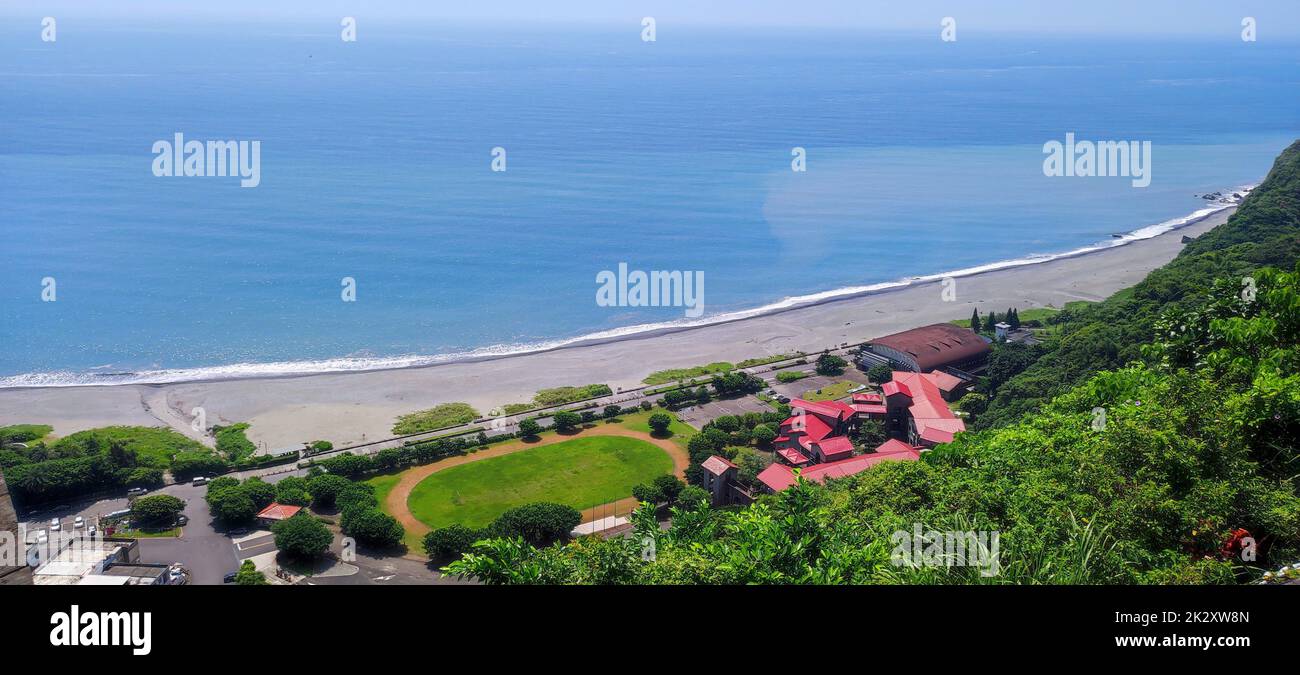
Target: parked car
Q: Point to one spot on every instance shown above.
(228, 579)
(92, 531)
(182, 519)
(784, 399)
(78, 523)
(135, 492)
(200, 480)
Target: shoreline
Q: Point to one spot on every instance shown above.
(637, 331)
(347, 407)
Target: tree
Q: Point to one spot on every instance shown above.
(612, 411)
(529, 428)
(144, 476)
(764, 435)
(692, 494)
(261, 492)
(990, 322)
(156, 510)
(302, 536)
(292, 490)
(248, 575)
(356, 495)
(702, 395)
(648, 493)
(325, 487)
(669, 486)
(449, 542)
(660, 422)
(539, 523)
(1013, 318)
(880, 373)
(565, 420)
(231, 506)
(829, 364)
(870, 434)
(373, 527)
(975, 320)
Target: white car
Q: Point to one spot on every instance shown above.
(78, 523)
(200, 480)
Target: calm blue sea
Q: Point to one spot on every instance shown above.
(923, 157)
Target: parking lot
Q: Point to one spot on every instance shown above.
(699, 415)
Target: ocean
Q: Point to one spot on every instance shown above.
(376, 156)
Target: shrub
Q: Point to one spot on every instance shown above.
(372, 527)
(449, 542)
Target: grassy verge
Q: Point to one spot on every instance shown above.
(830, 392)
(679, 374)
(437, 417)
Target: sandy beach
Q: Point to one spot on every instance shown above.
(351, 407)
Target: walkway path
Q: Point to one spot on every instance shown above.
(397, 497)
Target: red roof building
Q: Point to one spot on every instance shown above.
(778, 477)
(276, 512)
(930, 421)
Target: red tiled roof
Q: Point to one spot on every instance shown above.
(717, 465)
(814, 427)
(936, 345)
(836, 448)
(934, 421)
(866, 397)
(870, 408)
(892, 387)
(832, 409)
(944, 381)
(779, 476)
(793, 456)
(274, 511)
(894, 445)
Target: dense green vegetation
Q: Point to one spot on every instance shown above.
(97, 459)
(679, 374)
(1087, 339)
(232, 443)
(437, 417)
(1148, 472)
(547, 398)
(581, 472)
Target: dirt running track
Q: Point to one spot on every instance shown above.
(396, 502)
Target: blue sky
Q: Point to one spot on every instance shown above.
(1275, 18)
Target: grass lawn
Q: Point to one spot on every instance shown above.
(831, 391)
(581, 472)
(384, 484)
(681, 431)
